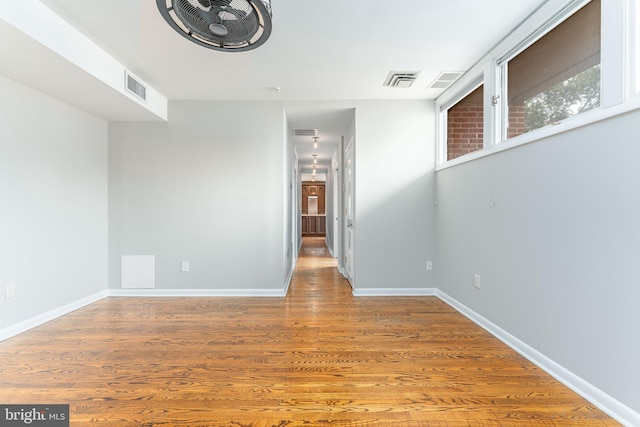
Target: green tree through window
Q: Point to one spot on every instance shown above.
(573, 96)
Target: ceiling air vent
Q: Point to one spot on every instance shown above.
(135, 87)
(401, 78)
(305, 132)
(445, 79)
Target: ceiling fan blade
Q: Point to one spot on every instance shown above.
(208, 16)
(225, 6)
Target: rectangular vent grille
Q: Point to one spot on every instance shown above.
(445, 79)
(135, 87)
(305, 132)
(401, 78)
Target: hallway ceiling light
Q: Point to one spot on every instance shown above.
(225, 25)
(315, 141)
(315, 158)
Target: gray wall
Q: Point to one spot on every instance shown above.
(207, 187)
(394, 178)
(53, 203)
(211, 186)
(558, 252)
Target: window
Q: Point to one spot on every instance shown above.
(465, 125)
(556, 77)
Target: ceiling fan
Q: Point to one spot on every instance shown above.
(225, 25)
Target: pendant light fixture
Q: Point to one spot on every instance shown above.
(315, 141)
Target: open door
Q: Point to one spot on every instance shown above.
(335, 211)
(348, 204)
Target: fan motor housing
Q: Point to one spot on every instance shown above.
(225, 25)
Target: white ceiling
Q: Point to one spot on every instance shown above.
(318, 50)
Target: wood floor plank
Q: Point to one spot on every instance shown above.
(318, 357)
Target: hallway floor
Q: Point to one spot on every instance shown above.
(319, 357)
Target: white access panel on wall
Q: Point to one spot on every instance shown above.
(138, 271)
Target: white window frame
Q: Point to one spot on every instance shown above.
(632, 34)
(443, 109)
(615, 60)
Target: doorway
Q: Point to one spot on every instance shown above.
(313, 216)
(317, 135)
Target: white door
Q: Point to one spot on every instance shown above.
(336, 211)
(348, 211)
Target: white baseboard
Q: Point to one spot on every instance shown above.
(287, 282)
(394, 292)
(197, 293)
(602, 400)
(40, 319)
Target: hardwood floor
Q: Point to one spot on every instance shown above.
(318, 357)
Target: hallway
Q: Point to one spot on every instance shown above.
(316, 276)
(318, 357)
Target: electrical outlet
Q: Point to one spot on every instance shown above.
(476, 281)
(185, 265)
(429, 265)
(10, 291)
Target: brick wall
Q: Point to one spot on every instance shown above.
(465, 125)
(516, 120)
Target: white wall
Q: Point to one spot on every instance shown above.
(53, 203)
(394, 178)
(207, 187)
(558, 252)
